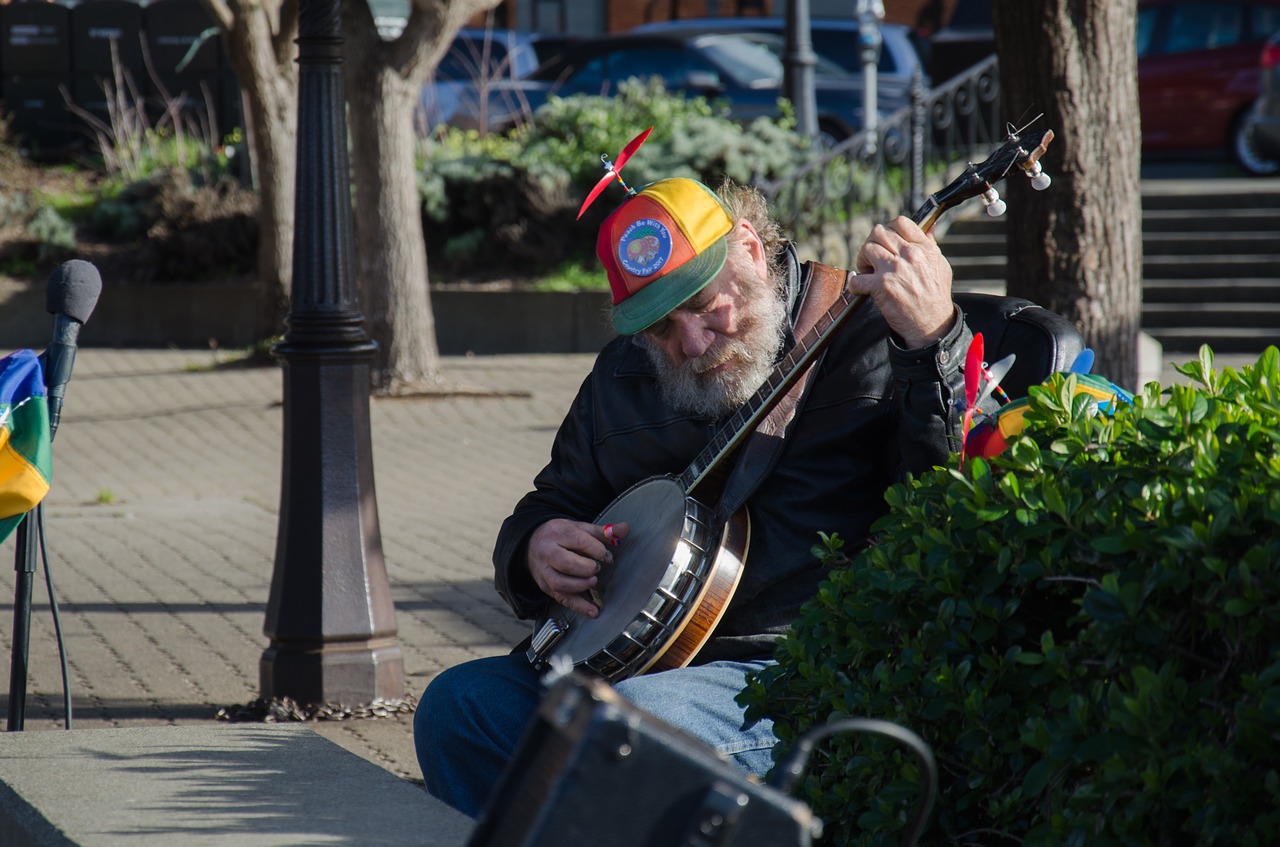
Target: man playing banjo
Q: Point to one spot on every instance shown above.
(706, 297)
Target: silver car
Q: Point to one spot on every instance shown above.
(476, 60)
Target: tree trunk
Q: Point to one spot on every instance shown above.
(259, 40)
(275, 150)
(391, 252)
(1077, 248)
(383, 84)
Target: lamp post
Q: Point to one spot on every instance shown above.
(330, 619)
(870, 13)
(798, 61)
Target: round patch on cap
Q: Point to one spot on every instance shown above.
(645, 247)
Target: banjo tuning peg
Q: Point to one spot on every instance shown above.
(995, 206)
(1039, 179)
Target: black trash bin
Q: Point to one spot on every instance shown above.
(107, 53)
(173, 28)
(35, 59)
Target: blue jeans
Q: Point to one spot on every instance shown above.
(471, 718)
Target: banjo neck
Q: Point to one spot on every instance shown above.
(731, 434)
(1020, 151)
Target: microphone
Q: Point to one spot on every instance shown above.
(70, 296)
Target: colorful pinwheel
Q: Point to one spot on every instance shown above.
(611, 169)
(972, 379)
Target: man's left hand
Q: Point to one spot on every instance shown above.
(901, 268)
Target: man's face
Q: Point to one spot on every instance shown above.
(716, 350)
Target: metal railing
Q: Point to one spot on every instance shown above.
(830, 204)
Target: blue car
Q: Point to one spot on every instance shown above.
(835, 40)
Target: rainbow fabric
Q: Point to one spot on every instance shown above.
(26, 465)
(993, 434)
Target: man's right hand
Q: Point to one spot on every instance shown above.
(565, 558)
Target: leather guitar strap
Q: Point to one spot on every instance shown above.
(760, 451)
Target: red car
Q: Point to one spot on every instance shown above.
(1197, 70)
(1198, 75)
(1266, 120)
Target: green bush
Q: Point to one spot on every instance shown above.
(14, 206)
(502, 201)
(1086, 629)
(195, 231)
(54, 235)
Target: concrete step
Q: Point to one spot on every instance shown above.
(1211, 262)
(1167, 267)
(1168, 234)
(1158, 220)
(977, 267)
(1207, 302)
(1199, 220)
(974, 226)
(1228, 266)
(1234, 315)
(248, 785)
(1196, 292)
(1220, 339)
(1209, 243)
(963, 244)
(1215, 194)
(986, 286)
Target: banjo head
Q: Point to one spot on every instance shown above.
(655, 572)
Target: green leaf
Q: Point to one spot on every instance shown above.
(1104, 607)
(1239, 607)
(1033, 784)
(1111, 544)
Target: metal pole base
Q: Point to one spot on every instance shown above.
(350, 673)
(330, 616)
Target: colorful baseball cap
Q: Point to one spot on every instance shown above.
(661, 247)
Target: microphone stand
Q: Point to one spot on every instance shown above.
(27, 541)
(70, 295)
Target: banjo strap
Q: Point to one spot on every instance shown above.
(760, 452)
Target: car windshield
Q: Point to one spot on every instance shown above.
(747, 61)
(468, 60)
(777, 45)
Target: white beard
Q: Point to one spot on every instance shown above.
(752, 356)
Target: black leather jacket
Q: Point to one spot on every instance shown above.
(874, 413)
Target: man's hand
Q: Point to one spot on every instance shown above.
(901, 268)
(565, 557)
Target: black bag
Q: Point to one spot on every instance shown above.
(593, 769)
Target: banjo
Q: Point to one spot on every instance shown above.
(672, 580)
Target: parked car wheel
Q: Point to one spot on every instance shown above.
(830, 134)
(1245, 147)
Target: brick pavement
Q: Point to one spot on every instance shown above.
(162, 522)
(161, 532)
